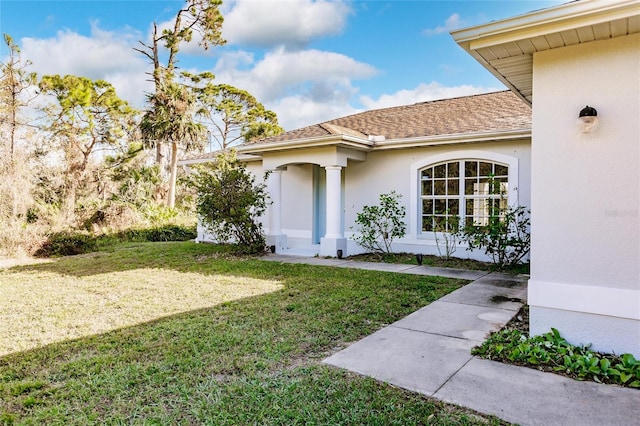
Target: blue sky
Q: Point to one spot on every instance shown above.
(308, 60)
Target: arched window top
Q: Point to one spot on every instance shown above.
(460, 188)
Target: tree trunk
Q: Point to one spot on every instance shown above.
(171, 198)
(69, 200)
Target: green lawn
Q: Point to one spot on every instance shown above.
(180, 333)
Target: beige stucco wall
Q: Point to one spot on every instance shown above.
(297, 202)
(585, 270)
(385, 171)
(382, 172)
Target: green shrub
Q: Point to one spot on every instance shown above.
(66, 243)
(170, 233)
(230, 202)
(551, 352)
(506, 236)
(71, 243)
(379, 225)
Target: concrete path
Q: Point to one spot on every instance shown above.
(375, 266)
(429, 352)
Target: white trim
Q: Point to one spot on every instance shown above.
(614, 302)
(254, 152)
(564, 17)
(460, 138)
(319, 141)
(511, 162)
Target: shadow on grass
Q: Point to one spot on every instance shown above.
(326, 295)
(257, 352)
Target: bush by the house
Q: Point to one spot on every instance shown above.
(230, 203)
(506, 236)
(378, 226)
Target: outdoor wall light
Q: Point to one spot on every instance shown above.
(588, 118)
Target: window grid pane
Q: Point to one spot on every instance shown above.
(447, 194)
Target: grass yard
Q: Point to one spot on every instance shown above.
(180, 333)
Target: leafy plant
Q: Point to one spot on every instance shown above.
(551, 352)
(159, 214)
(447, 234)
(230, 202)
(506, 236)
(379, 225)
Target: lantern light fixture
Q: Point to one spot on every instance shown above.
(588, 119)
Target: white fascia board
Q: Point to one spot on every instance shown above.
(245, 152)
(454, 139)
(331, 140)
(546, 21)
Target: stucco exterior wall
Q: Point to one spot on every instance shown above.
(297, 203)
(380, 172)
(397, 170)
(586, 194)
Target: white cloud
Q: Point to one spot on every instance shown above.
(453, 22)
(295, 111)
(422, 93)
(302, 87)
(290, 23)
(104, 55)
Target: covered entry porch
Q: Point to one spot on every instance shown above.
(306, 190)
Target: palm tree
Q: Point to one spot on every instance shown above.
(171, 120)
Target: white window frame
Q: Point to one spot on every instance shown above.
(415, 203)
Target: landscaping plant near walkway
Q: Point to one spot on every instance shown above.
(506, 236)
(379, 225)
(241, 357)
(551, 352)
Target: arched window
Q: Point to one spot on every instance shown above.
(461, 193)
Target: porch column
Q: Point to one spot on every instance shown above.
(334, 239)
(274, 235)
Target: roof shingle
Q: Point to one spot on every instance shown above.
(489, 112)
(498, 111)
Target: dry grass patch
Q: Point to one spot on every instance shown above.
(46, 307)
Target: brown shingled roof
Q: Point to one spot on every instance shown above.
(499, 111)
(489, 112)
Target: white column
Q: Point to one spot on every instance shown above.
(334, 204)
(334, 244)
(275, 238)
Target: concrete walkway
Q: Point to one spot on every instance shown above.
(429, 352)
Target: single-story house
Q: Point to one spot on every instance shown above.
(438, 155)
(565, 141)
(580, 58)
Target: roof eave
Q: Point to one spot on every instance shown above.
(460, 138)
(539, 23)
(546, 21)
(359, 144)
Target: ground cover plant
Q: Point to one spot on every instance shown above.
(248, 360)
(551, 352)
